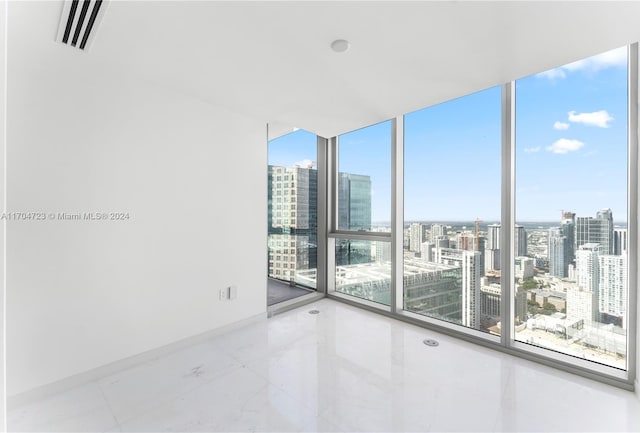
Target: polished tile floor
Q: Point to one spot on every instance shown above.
(341, 370)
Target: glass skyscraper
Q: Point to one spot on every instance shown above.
(354, 214)
(598, 230)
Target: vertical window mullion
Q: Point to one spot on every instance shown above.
(397, 214)
(507, 213)
(331, 212)
(332, 176)
(323, 207)
(632, 218)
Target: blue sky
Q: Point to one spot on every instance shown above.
(579, 163)
(570, 149)
(297, 147)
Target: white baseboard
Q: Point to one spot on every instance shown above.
(98, 373)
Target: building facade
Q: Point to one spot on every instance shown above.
(613, 283)
(596, 230)
(557, 252)
(588, 276)
(292, 218)
(469, 264)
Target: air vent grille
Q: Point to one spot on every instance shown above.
(79, 21)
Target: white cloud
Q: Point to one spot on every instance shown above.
(552, 74)
(560, 126)
(531, 149)
(609, 59)
(600, 118)
(565, 145)
(305, 163)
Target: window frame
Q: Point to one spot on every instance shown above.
(333, 234)
(328, 173)
(333, 173)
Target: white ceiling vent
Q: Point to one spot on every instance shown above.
(79, 21)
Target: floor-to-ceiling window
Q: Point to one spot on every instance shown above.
(570, 241)
(362, 181)
(292, 213)
(506, 215)
(452, 211)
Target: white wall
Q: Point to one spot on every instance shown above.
(191, 176)
(3, 6)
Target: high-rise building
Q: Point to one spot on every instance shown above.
(381, 251)
(523, 267)
(433, 289)
(406, 237)
(596, 230)
(581, 303)
(438, 231)
(467, 241)
(619, 241)
(568, 228)
(490, 297)
(587, 273)
(613, 283)
(493, 236)
(292, 217)
(417, 237)
(469, 284)
(587, 265)
(473, 242)
(427, 252)
(354, 213)
(520, 241)
(492, 248)
(556, 250)
(491, 260)
(492, 245)
(520, 305)
(354, 202)
(440, 243)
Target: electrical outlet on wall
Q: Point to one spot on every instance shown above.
(223, 294)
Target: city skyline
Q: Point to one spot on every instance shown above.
(570, 254)
(570, 278)
(571, 116)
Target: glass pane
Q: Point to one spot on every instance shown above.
(364, 178)
(363, 269)
(452, 208)
(571, 209)
(293, 208)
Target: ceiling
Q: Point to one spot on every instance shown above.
(271, 60)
